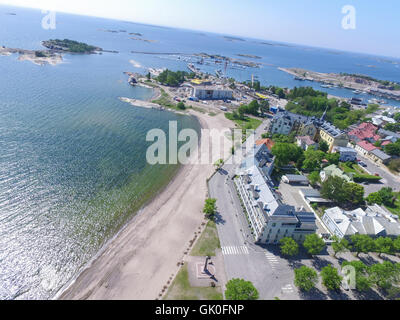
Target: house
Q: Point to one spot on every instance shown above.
(333, 136)
(295, 179)
(334, 170)
(271, 219)
(365, 131)
(365, 147)
(379, 156)
(386, 133)
(375, 221)
(268, 142)
(346, 154)
(305, 142)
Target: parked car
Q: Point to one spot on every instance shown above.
(362, 164)
(376, 175)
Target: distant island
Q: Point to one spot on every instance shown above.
(248, 56)
(53, 54)
(66, 45)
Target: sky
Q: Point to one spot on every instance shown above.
(308, 22)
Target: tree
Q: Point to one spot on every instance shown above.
(363, 283)
(374, 197)
(396, 243)
(264, 106)
(340, 245)
(362, 243)
(305, 278)
(384, 245)
(239, 289)
(210, 208)
(387, 196)
(331, 278)
(218, 164)
(148, 76)
(286, 152)
(323, 146)
(289, 247)
(385, 274)
(181, 106)
(314, 178)
(334, 188)
(314, 244)
(393, 149)
(354, 193)
(312, 159)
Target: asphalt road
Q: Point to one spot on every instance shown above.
(388, 179)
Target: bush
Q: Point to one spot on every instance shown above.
(181, 106)
(239, 289)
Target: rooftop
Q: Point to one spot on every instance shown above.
(366, 145)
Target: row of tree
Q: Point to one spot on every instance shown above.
(382, 275)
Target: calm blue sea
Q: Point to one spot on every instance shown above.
(72, 156)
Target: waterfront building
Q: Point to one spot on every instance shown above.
(375, 221)
(212, 93)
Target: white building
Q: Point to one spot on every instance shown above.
(212, 93)
(375, 221)
(270, 219)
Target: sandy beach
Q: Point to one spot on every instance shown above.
(140, 260)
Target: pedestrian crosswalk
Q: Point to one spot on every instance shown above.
(287, 289)
(234, 250)
(272, 259)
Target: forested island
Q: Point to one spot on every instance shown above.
(72, 46)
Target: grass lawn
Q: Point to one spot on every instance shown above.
(246, 123)
(165, 100)
(359, 174)
(208, 242)
(181, 290)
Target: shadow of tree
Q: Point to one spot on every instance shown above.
(338, 295)
(319, 263)
(313, 294)
(218, 219)
(368, 295)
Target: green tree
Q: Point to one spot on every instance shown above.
(331, 278)
(363, 283)
(323, 146)
(239, 289)
(384, 245)
(374, 197)
(148, 76)
(340, 245)
(314, 244)
(396, 242)
(305, 278)
(354, 193)
(385, 274)
(334, 188)
(362, 243)
(181, 106)
(285, 153)
(314, 178)
(210, 208)
(289, 247)
(312, 159)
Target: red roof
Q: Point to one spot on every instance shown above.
(268, 142)
(385, 143)
(366, 145)
(365, 130)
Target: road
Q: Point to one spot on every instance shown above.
(388, 179)
(270, 274)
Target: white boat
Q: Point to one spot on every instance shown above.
(357, 92)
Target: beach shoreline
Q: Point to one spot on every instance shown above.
(140, 259)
